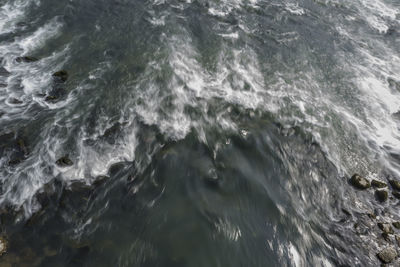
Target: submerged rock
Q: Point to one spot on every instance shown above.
(395, 184)
(14, 101)
(26, 59)
(56, 94)
(359, 182)
(387, 255)
(20, 151)
(61, 75)
(3, 245)
(396, 195)
(386, 228)
(381, 195)
(4, 72)
(64, 162)
(378, 184)
(50, 98)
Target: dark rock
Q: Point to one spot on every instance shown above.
(100, 180)
(396, 195)
(346, 212)
(15, 161)
(386, 228)
(393, 83)
(391, 31)
(79, 258)
(397, 240)
(387, 255)
(14, 101)
(3, 85)
(396, 225)
(60, 76)
(386, 237)
(3, 245)
(55, 94)
(381, 195)
(22, 146)
(378, 184)
(19, 151)
(51, 98)
(22, 24)
(371, 216)
(26, 59)
(359, 182)
(395, 184)
(76, 197)
(4, 72)
(64, 162)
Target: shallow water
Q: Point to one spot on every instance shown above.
(202, 133)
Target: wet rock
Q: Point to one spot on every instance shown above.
(346, 212)
(64, 161)
(76, 197)
(359, 182)
(20, 151)
(378, 184)
(48, 252)
(387, 255)
(397, 240)
(80, 255)
(381, 195)
(112, 133)
(60, 76)
(3, 245)
(396, 195)
(3, 85)
(371, 216)
(100, 180)
(396, 225)
(394, 84)
(395, 184)
(22, 146)
(26, 59)
(55, 94)
(22, 24)
(50, 98)
(386, 237)
(386, 228)
(391, 31)
(15, 101)
(115, 129)
(4, 72)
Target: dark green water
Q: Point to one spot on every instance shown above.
(200, 133)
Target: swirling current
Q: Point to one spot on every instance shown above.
(198, 132)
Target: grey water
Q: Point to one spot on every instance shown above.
(196, 132)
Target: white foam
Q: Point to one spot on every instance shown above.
(12, 12)
(294, 9)
(40, 36)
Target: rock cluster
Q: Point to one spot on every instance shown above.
(387, 254)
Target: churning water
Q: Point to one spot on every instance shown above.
(197, 132)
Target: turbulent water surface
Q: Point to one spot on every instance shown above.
(200, 132)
